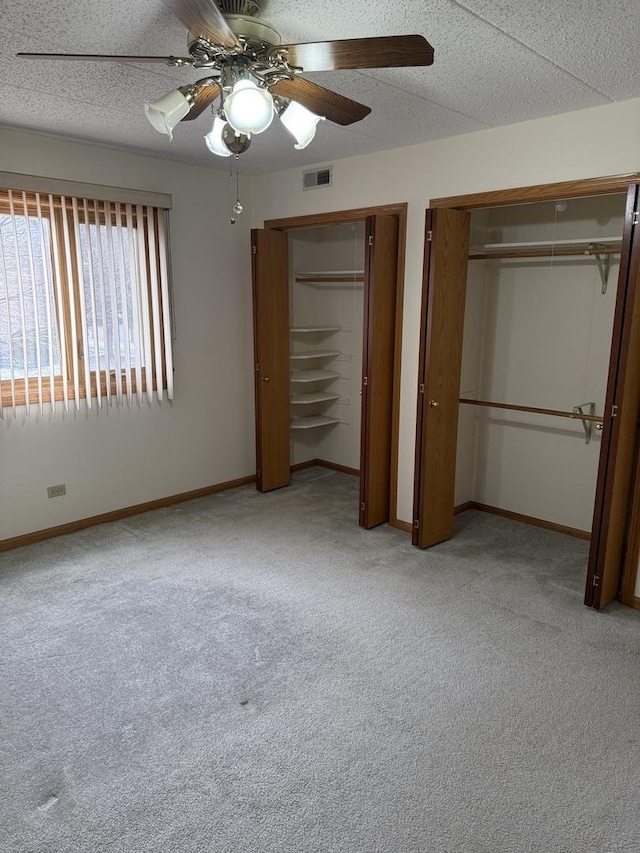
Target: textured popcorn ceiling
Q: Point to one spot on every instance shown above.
(496, 62)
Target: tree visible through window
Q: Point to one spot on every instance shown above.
(84, 301)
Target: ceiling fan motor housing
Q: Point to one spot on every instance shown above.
(257, 34)
(242, 18)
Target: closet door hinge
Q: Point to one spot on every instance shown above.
(362, 507)
(257, 367)
(636, 217)
(421, 388)
(595, 580)
(371, 239)
(429, 236)
(614, 411)
(365, 380)
(416, 524)
(253, 249)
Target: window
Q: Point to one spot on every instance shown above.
(84, 301)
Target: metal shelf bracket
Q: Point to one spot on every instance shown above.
(587, 409)
(604, 264)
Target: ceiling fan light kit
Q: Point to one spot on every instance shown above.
(256, 77)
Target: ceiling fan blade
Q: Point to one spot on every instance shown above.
(379, 52)
(99, 57)
(322, 102)
(205, 95)
(204, 19)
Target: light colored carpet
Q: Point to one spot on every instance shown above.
(249, 673)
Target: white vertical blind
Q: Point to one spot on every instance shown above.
(82, 297)
(7, 357)
(123, 301)
(145, 298)
(165, 302)
(102, 338)
(17, 265)
(36, 303)
(113, 306)
(135, 303)
(92, 300)
(84, 302)
(47, 272)
(56, 238)
(70, 296)
(155, 303)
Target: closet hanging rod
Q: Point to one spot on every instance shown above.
(545, 251)
(576, 416)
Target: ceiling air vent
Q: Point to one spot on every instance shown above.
(317, 178)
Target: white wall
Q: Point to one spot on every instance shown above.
(124, 457)
(588, 143)
(121, 457)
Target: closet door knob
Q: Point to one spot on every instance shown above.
(434, 404)
(266, 379)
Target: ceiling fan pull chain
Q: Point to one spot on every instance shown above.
(237, 207)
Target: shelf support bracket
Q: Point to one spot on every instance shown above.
(604, 264)
(586, 425)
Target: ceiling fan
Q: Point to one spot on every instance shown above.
(256, 76)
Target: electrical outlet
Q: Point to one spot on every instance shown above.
(57, 491)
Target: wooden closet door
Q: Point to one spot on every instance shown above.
(440, 360)
(380, 282)
(620, 423)
(270, 273)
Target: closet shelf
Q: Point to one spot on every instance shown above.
(546, 248)
(600, 248)
(313, 375)
(317, 278)
(319, 353)
(313, 421)
(299, 330)
(317, 397)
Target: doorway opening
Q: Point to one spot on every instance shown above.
(327, 330)
(529, 398)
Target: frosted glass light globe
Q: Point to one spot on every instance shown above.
(213, 140)
(248, 109)
(301, 123)
(165, 113)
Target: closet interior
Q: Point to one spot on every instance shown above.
(539, 312)
(326, 304)
(327, 296)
